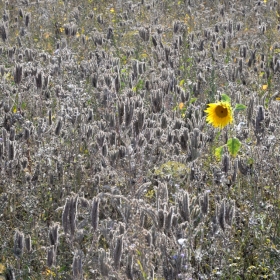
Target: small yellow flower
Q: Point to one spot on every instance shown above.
(181, 105)
(219, 114)
(264, 87)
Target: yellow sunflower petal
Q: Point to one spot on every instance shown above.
(219, 114)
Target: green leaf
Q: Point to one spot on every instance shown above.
(225, 98)
(233, 146)
(23, 105)
(218, 152)
(240, 107)
(193, 99)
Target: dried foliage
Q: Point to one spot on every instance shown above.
(109, 169)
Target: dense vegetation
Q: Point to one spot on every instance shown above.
(109, 169)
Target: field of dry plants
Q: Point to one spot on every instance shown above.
(110, 167)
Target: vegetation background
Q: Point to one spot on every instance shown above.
(108, 167)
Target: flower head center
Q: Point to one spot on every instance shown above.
(221, 111)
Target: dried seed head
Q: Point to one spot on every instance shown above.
(28, 244)
(95, 213)
(121, 112)
(50, 117)
(230, 212)
(157, 100)
(226, 163)
(51, 257)
(11, 151)
(161, 218)
(118, 251)
(4, 31)
(100, 137)
(144, 33)
(222, 213)
(53, 235)
(77, 267)
(204, 203)
(27, 19)
(65, 216)
(18, 243)
(128, 112)
(18, 73)
(39, 80)
(26, 133)
(12, 134)
(235, 169)
(105, 149)
(103, 266)
(129, 267)
(58, 127)
(168, 220)
(184, 206)
(73, 213)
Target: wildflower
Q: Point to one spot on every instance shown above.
(181, 105)
(219, 114)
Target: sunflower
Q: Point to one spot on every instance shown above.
(219, 114)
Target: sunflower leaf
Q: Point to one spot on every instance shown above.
(240, 107)
(233, 145)
(225, 98)
(218, 152)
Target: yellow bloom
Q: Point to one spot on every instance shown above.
(219, 114)
(181, 105)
